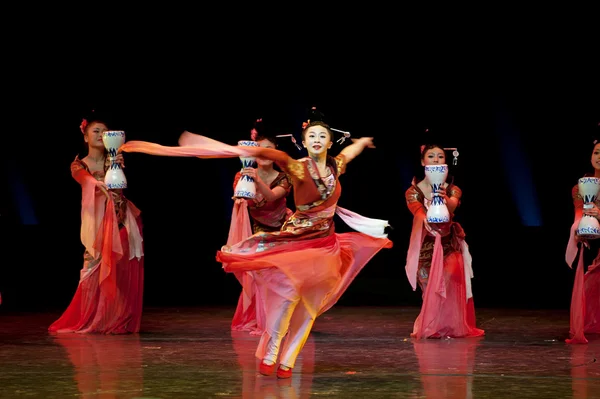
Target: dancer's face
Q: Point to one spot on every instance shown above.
(93, 134)
(265, 144)
(596, 157)
(434, 156)
(317, 140)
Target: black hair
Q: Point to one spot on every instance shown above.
(260, 131)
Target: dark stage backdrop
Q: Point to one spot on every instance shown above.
(522, 148)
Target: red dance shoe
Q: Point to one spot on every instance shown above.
(265, 369)
(281, 373)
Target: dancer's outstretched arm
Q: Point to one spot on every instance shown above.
(195, 145)
(357, 146)
(189, 141)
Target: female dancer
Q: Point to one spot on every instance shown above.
(306, 266)
(438, 257)
(108, 299)
(585, 299)
(268, 212)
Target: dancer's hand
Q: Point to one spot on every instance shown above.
(250, 172)
(582, 240)
(115, 194)
(238, 201)
(366, 142)
(120, 160)
(593, 211)
(442, 193)
(103, 188)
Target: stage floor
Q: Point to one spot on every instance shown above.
(353, 352)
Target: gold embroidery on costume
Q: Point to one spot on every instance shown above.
(412, 195)
(455, 192)
(312, 170)
(326, 186)
(76, 167)
(296, 168)
(314, 173)
(340, 162)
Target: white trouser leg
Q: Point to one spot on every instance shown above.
(300, 327)
(280, 307)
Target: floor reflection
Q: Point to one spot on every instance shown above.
(106, 366)
(257, 386)
(446, 366)
(584, 367)
(363, 353)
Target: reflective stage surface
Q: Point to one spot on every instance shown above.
(353, 352)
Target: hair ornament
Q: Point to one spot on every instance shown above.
(83, 125)
(343, 138)
(319, 116)
(455, 154)
(291, 136)
(454, 150)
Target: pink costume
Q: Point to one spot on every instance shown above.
(585, 299)
(304, 268)
(108, 299)
(265, 216)
(442, 266)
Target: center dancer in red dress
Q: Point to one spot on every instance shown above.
(306, 266)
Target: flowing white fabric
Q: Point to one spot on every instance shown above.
(467, 260)
(371, 227)
(135, 237)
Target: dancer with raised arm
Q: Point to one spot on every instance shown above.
(306, 266)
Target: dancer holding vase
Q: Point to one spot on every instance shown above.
(108, 299)
(585, 297)
(438, 257)
(266, 211)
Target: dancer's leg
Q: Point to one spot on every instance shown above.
(280, 299)
(300, 326)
